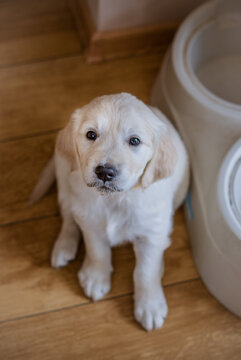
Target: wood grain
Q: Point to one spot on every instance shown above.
(36, 30)
(28, 284)
(40, 97)
(21, 162)
(197, 327)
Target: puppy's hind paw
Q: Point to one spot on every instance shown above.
(63, 252)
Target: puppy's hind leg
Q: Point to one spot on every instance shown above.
(66, 245)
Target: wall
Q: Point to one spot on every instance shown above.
(119, 14)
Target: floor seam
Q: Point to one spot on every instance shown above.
(2, 322)
(40, 61)
(31, 135)
(37, 218)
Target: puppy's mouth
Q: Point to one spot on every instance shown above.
(106, 188)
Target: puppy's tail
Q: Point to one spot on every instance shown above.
(46, 180)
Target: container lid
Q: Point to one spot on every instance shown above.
(225, 18)
(229, 188)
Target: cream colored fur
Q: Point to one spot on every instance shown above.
(137, 205)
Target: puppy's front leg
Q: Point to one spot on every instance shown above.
(150, 304)
(95, 274)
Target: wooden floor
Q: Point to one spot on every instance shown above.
(43, 312)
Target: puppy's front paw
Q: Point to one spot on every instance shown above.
(94, 282)
(150, 312)
(64, 251)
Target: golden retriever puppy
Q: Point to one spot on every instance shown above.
(121, 171)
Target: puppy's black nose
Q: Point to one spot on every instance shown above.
(106, 172)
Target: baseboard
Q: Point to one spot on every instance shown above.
(104, 45)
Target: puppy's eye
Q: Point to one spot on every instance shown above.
(91, 135)
(134, 141)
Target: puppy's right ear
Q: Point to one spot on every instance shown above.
(66, 144)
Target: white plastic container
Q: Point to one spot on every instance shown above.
(199, 87)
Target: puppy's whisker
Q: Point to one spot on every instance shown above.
(94, 184)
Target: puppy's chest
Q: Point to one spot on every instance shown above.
(118, 221)
(121, 223)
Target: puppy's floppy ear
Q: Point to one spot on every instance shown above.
(66, 141)
(163, 161)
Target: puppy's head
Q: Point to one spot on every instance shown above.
(117, 142)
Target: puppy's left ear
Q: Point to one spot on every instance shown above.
(66, 143)
(162, 163)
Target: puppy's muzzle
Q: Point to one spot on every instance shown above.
(106, 172)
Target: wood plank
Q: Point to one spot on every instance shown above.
(21, 162)
(197, 327)
(32, 31)
(28, 284)
(22, 9)
(40, 97)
